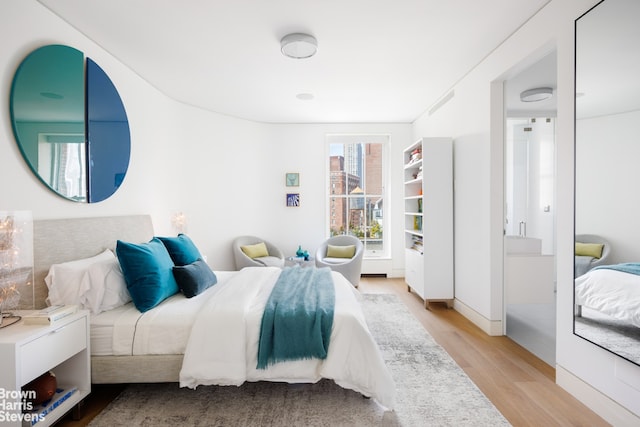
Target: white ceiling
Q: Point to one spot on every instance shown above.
(376, 62)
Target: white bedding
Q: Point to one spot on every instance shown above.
(230, 314)
(125, 331)
(353, 360)
(611, 292)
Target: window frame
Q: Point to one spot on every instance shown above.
(363, 138)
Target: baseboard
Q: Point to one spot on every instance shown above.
(377, 266)
(490, 327)
(396, 272)
(611, 411)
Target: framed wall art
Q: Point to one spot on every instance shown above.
(292, 179)
(293, 200)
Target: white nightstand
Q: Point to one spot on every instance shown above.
(27, 351)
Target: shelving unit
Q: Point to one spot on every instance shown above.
(27, 351)
(428, 212)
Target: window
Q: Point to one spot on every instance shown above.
(356, 170)
(62, 164)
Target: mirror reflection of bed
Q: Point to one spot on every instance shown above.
(606, 174)
(608, 308)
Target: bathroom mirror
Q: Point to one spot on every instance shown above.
(607, 251)
(70, 124)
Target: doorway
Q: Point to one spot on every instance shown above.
(529, 209)
(530, 235)
(530, 180)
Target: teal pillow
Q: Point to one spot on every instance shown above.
(147, 270)
(181, 249)
(194, 278)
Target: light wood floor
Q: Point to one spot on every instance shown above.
(518, 383)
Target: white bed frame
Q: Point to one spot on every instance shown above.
(62, 240)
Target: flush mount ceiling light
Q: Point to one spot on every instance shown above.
(537, 94)
(298, 45)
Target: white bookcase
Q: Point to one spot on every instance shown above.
(428, 216)
(27, 351)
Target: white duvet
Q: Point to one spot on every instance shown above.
(223, 345)
(164, 329)
(611, 292)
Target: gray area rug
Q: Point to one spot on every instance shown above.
(614, 335)
(432, 390)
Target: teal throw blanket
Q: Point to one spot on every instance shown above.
(627, 267)
(298, 317)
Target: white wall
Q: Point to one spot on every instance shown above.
(225, 174)
(603, 381)
(302, 148)
(606, 182)
(228, 174)
(236, 174)
(26, 25)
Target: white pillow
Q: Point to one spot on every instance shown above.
(65, 280)
(105, 287)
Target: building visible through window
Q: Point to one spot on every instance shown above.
(356, 189)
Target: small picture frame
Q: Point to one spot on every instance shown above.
(293, 200)
(292, 179)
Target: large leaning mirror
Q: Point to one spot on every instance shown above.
(70, 124)
(607, 175)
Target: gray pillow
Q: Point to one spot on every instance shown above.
(194, 278)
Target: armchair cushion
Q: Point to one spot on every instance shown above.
(257, 250)
(251, 251)
(589, 249)
(333, 260)
(347, 251)
(269, 261)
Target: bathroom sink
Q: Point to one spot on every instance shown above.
(522, 245)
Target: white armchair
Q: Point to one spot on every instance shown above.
(334, 253)
(272, 258)
(585, 263)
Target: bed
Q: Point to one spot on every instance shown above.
(128, 346)
(613, 290)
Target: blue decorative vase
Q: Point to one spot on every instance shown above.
(299, 252)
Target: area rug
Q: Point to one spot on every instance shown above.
(432, 390)
(615, 335)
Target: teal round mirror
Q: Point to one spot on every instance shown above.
(70, 124)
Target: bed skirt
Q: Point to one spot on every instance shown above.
(136, 369)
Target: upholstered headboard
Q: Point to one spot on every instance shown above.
(62, 240)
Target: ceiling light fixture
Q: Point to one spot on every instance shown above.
(298, 45)
(537, 94)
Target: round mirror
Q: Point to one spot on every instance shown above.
(70, 124)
